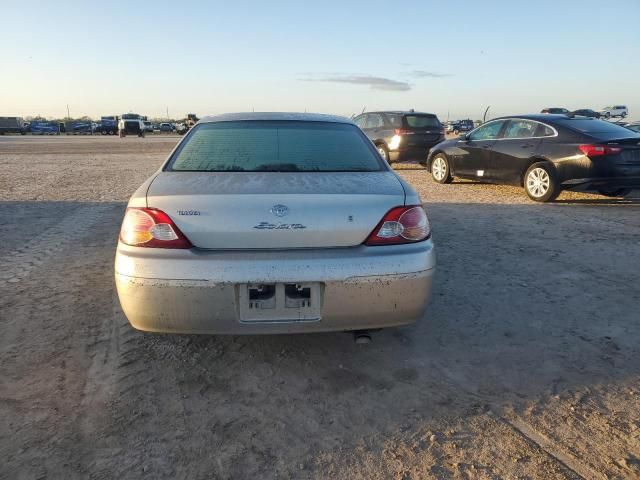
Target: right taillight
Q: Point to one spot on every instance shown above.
(149, 227)
(598, 150)
(407, 224)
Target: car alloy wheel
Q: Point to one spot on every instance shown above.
(439, 169)
(538, 182)
(383, 152)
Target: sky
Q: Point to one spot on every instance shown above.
(452, 58)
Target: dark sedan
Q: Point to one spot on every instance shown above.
(545, 154)
(586, 112)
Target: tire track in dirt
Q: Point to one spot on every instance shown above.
(17, 265)
(552, 449)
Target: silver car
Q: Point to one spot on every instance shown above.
(274, 223)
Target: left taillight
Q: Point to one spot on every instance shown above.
(149, 227)
(598, 150)
(408, 224)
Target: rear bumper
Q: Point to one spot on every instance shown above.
(198, 292)
(602, 182)
(412, 153)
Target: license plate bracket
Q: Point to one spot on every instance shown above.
(280, 302)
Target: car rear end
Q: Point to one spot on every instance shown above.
(604, 156)
(418, 133)
(274, 226)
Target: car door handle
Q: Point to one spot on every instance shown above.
(486, 146)
(527, 145)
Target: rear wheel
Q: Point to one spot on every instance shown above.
(384, 153)
(540, 182)
(614, 192)
(440, 170)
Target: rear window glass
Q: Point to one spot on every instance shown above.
(275, 146)
(395, 120)
(422, 121)
(594, 126)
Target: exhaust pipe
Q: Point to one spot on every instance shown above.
(362, 337)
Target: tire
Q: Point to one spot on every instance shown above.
(607, 115)
(614, 192)
(384, 153)
(456, 132)
(103, 132)
(623, 114)
(440, 170)
(540, 182)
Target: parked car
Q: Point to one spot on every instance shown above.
(148, 127)
(458, 126)
(400, 135)
(82, 128)
(43, 128)
(586, 112)
(166, 127)
(544, 153)
(274, 223)
(635, 126)
(131, 127)
(615, 111)
(555, 110)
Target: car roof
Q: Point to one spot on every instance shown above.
(399, 112)
(540, 117)
(290, 116)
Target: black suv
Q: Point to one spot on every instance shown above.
(401, 135)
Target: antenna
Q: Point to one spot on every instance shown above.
(363, 109)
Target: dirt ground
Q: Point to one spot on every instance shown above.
(527, 364)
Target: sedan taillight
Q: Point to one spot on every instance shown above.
(149, 227)
(598, 150)
(407, 224)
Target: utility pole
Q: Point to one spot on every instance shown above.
(167, 113)
(68, 115)
(484, 118)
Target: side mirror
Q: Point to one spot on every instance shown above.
(463, 137)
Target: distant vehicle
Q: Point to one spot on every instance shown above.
(43, 128)
(108, 125)
(586, 112)
(555, 110)
(131, 127)
(12, 125)
(635, 126)
(458, 126)
(148, 127)
(615, 111)
(544, 153)
(133, 116)
(316, 234)
(401, 135)
(82, 128)
(166, 127)
(187, 124)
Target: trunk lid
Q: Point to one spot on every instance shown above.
(275, 210)
(426, 129)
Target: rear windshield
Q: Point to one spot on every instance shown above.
(275, 146)
(422, 121)
(589, 125)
